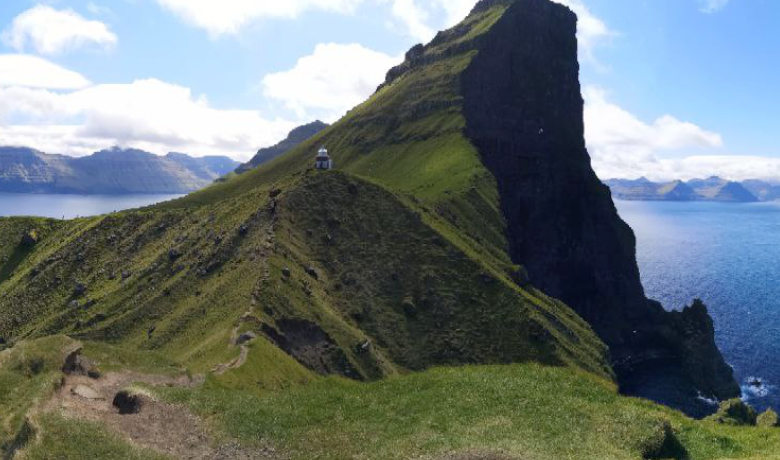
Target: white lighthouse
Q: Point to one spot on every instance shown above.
(323, 160)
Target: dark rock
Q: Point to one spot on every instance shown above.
(30, 238)
(286, 272)
(126, 274)
(79, 289)
(520, 277)
(78, 364)
(524, 113)
(174, 254)
(363, 347)
(274, 192)
(311, 271)
(128, 403)
(410, 309)
(243, 229)
(245, 337)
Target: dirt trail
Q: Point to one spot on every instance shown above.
(257, 296)
(166, 428)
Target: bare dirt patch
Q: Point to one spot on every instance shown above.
(166, 428)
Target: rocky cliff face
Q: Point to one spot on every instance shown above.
(108, 171)
(523, 110)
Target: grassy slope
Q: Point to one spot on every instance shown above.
(429, 235)
(29, 374)
(520, 411)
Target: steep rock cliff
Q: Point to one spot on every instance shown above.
(524, 112)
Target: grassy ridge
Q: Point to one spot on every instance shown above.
(518, 411)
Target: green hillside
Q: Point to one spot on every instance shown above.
(369, 312)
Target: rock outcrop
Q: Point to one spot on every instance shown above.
(524, 113)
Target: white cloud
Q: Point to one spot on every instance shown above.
(229, 16)
(51, 31)
(591, 30)
(414, 19)
(623, 146)
(149, 114)
(330, 81)
(712, 6)
(34, 72)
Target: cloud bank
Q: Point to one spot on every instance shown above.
(149, 114)
(50, 31)
(330, 81)
(226, 17)
(623, 146)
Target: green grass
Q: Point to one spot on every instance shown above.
(29, 374)
(67, 439)
(522, 411)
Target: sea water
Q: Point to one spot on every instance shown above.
(69, 206)
(727, 254)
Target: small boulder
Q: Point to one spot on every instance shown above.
(126, 274)
(79, 289)
(85, 392)
(410, 309)
(311, 271)
(245, 337)
(521, 277)
(77, 364)
(243, 229)
(363, 347)
(173, 254)
(128, 403)
(30, 238)
(286, 272)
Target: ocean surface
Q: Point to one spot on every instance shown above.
(729, 256)
(70, 206)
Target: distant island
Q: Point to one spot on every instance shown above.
(711, 189)
(111, 171)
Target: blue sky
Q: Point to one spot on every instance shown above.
(673, 88)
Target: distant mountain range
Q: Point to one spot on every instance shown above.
(710, 189)
(296, 136)
(111, 171)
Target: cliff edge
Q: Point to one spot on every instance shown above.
(524, 113)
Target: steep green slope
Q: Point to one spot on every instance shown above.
(409, 137)
(335, 271)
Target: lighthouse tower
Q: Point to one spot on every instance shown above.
(323, 160)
